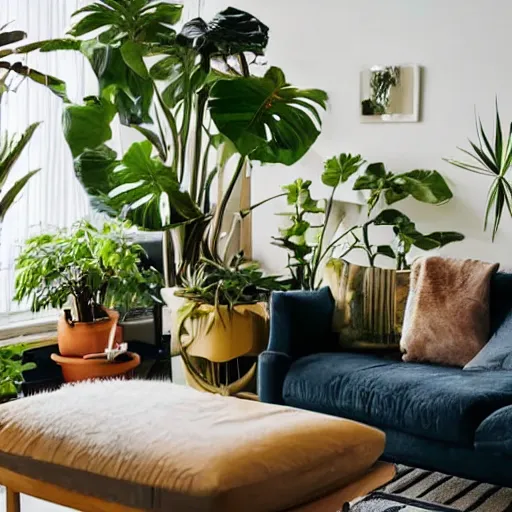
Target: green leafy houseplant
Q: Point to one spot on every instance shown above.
(198, 99)
(95, 267)
(218, 285)
(304, 237)
(11, 370)
(493, 160)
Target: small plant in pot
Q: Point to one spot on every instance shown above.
(92, 270)
(223, 319)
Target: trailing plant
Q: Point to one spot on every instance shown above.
(239, 283)
(492, 157)
(304, 236)
(96, 268)
(199, 99)
(11, 370)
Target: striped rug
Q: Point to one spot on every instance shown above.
(457, 493)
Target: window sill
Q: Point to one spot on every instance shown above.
(28, 331)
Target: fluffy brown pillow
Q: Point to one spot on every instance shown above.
(447, 314)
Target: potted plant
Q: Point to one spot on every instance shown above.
(223, 320)
(203, 112)
(11, 371)
(370, 299)
(92, 271)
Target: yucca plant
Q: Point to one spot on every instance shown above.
(10, 150)
(493, 160)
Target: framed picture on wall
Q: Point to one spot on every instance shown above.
(390, 94)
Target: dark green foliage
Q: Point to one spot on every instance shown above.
(94, 267)
(11, 370)
(492, 160)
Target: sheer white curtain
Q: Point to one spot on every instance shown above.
(53, 198)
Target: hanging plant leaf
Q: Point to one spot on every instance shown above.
(266, 118)
(337, 170)
(230, 32)
(11, 37)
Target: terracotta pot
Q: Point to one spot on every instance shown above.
(84, 337)
(75, 369)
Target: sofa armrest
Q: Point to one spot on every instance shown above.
(300, 322)
(272, 370)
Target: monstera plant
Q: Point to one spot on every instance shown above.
(205, 110)
(194, 98)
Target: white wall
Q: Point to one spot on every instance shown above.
(463, 46)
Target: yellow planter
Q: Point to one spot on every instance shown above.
(210, 337)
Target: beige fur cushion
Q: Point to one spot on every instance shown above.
(447, 314)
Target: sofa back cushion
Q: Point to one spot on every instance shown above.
(497, 353)
(501, 299)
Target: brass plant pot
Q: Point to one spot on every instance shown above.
(370, 304)
(213, 338)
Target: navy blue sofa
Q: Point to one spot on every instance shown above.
(437, 418)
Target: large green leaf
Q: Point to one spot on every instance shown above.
(139, 188)
(133, 54)
(425, 186)
(131, 94)
(373, 177)
(437, 239)
(88, 126)
(266, 118)
(338, 169)
(230, 32)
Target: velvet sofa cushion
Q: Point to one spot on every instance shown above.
(494, 435)
(434, 402)
(501, 299)
(497, 353)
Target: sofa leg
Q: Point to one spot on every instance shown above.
(13, 501)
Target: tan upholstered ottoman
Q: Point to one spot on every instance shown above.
(140, 445)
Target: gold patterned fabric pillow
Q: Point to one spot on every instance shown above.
(370, 303)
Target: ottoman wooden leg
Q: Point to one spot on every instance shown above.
(13, 501)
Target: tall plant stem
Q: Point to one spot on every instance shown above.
(171, 121)
(368, 247)
(202, 97)
(317, 258)
(184, 133)
(168, 259)
(219, 216)
(204, 173)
